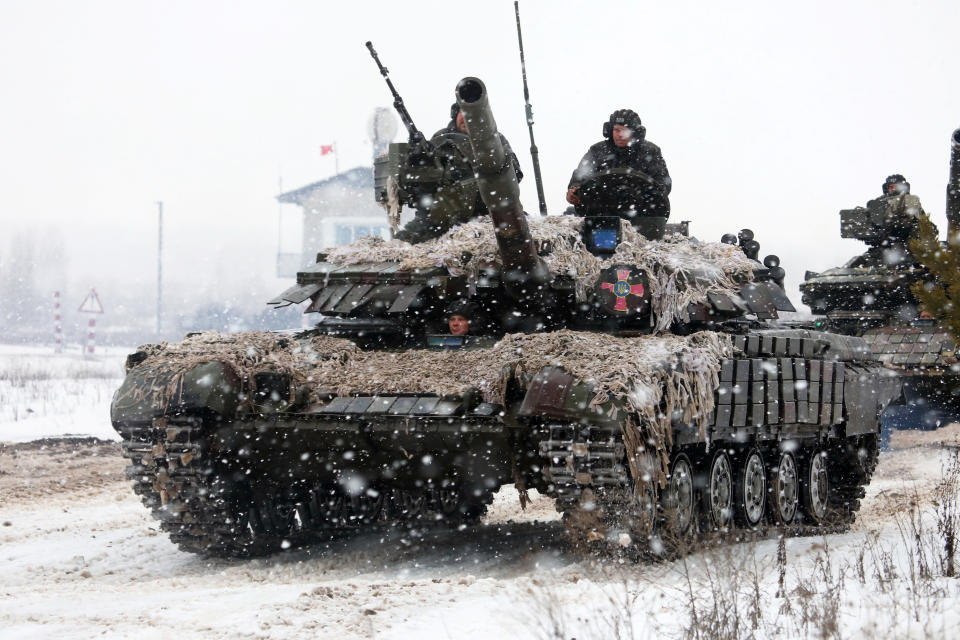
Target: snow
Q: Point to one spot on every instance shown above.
(81, 557)
(44, 394)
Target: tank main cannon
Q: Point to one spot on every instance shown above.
(953, 187)
(524, 271)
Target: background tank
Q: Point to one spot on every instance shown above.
(642, 383)
(870, 296)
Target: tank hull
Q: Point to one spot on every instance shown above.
(230, 479)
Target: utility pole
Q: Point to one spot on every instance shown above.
(159, 266)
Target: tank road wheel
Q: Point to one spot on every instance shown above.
(718, 493)
(448, 501)
(410, 504)
(461, 506)
(679, 503)
(816, 488)
(365, 508)
(784, 489)
(750, 491)
(271, 520)
(244, 525)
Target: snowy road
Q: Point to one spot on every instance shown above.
(82, 557)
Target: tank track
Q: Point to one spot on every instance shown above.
(587, 472)
(210, 509)
(176, 478)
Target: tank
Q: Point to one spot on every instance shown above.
(870, 296)
(642, 382)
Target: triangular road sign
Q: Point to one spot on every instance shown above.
(91, 304)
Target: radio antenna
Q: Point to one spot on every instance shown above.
(534, 153)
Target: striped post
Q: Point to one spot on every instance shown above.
(91, 337)
(91, 304)
(57, 325)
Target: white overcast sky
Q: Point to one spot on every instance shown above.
(770, 115)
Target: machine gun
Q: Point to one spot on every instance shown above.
(415, 135)
(424, 174)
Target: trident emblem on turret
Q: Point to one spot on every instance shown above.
(622, 290)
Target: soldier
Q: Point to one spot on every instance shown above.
(897, 209)
(458, 125)
(895, 185)
(458, 201)
(460, 313)
(626, 146)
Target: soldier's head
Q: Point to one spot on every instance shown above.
(624, 128)
(459, 315)
(895, 185)
(457, 116)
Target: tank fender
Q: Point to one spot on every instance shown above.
(211, 386)
(867, 392)
(547, 393)
(555, 393)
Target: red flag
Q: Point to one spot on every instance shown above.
(325, 149)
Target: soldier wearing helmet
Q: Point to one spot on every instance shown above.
(459, 200)
(460, 315)
(897, 203)
(625, 145)
(895, 185)
(457, 125)
(891, 218)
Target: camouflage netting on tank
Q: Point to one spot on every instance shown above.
(650, 376)
(245, 353)
(681, 270)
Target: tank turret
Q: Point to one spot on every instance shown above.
(953, 187)
(524, 271)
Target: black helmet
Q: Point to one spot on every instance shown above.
(895, 185)
(626, 117)
(462, 307)
(454, 110)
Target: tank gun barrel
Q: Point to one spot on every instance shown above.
(953, 187)
(524, 271)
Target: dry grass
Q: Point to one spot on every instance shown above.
(899, 582)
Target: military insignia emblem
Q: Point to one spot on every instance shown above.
(623, 290)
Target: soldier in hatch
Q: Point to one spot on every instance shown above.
(459, 316)
(459, 200)
(897, 209)
(625, 145)
(458, 125)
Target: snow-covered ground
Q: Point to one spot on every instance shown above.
(80, 557)
(43, 394)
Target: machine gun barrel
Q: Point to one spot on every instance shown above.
(415, 134)
(953, 188)
(524, 272)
